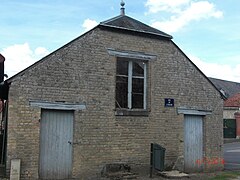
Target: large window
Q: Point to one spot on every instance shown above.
(131, 84)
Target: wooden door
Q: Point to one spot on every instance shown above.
(193, 143)
(56, 144)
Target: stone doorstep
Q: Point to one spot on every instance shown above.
(173, 174)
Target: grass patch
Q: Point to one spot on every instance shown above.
(226, 175)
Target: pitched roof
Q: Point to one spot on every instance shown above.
(228, 87)
(124, 22)
(233, 101)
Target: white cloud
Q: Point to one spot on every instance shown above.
(41, 51)
(20, 56)
(165, 5)
(220, 71)
(89, 24)
(183, 12)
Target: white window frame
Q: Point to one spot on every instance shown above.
(130, 77)
(132, 56)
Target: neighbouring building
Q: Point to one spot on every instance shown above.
(231, 117)
(104, 97)
(231, 110)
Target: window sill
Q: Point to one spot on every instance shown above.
(131, 112)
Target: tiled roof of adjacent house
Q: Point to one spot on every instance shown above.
(228, 87)
(124, 22)
(233, 101)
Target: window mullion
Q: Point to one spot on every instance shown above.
(130, 68)
(145, 87)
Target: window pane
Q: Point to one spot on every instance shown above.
(121, 92)
(137, 101)
(137, 92)
(122, 67)
(138, 69)
(137, 85)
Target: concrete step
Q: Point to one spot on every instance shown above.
(173, 174)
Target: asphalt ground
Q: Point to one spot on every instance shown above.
(232, 156)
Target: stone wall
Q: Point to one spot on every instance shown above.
(83, 71)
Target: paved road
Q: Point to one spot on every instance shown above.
(232, 156)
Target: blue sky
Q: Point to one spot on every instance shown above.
(208, 31)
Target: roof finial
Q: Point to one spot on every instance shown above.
(122, 8)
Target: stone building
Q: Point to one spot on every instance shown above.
(104, 97)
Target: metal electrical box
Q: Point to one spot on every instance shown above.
(157, 157)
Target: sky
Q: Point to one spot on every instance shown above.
(207, 31)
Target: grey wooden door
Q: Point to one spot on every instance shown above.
(193, 143)
(56, 135)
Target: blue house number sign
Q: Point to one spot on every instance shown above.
(169, 102)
